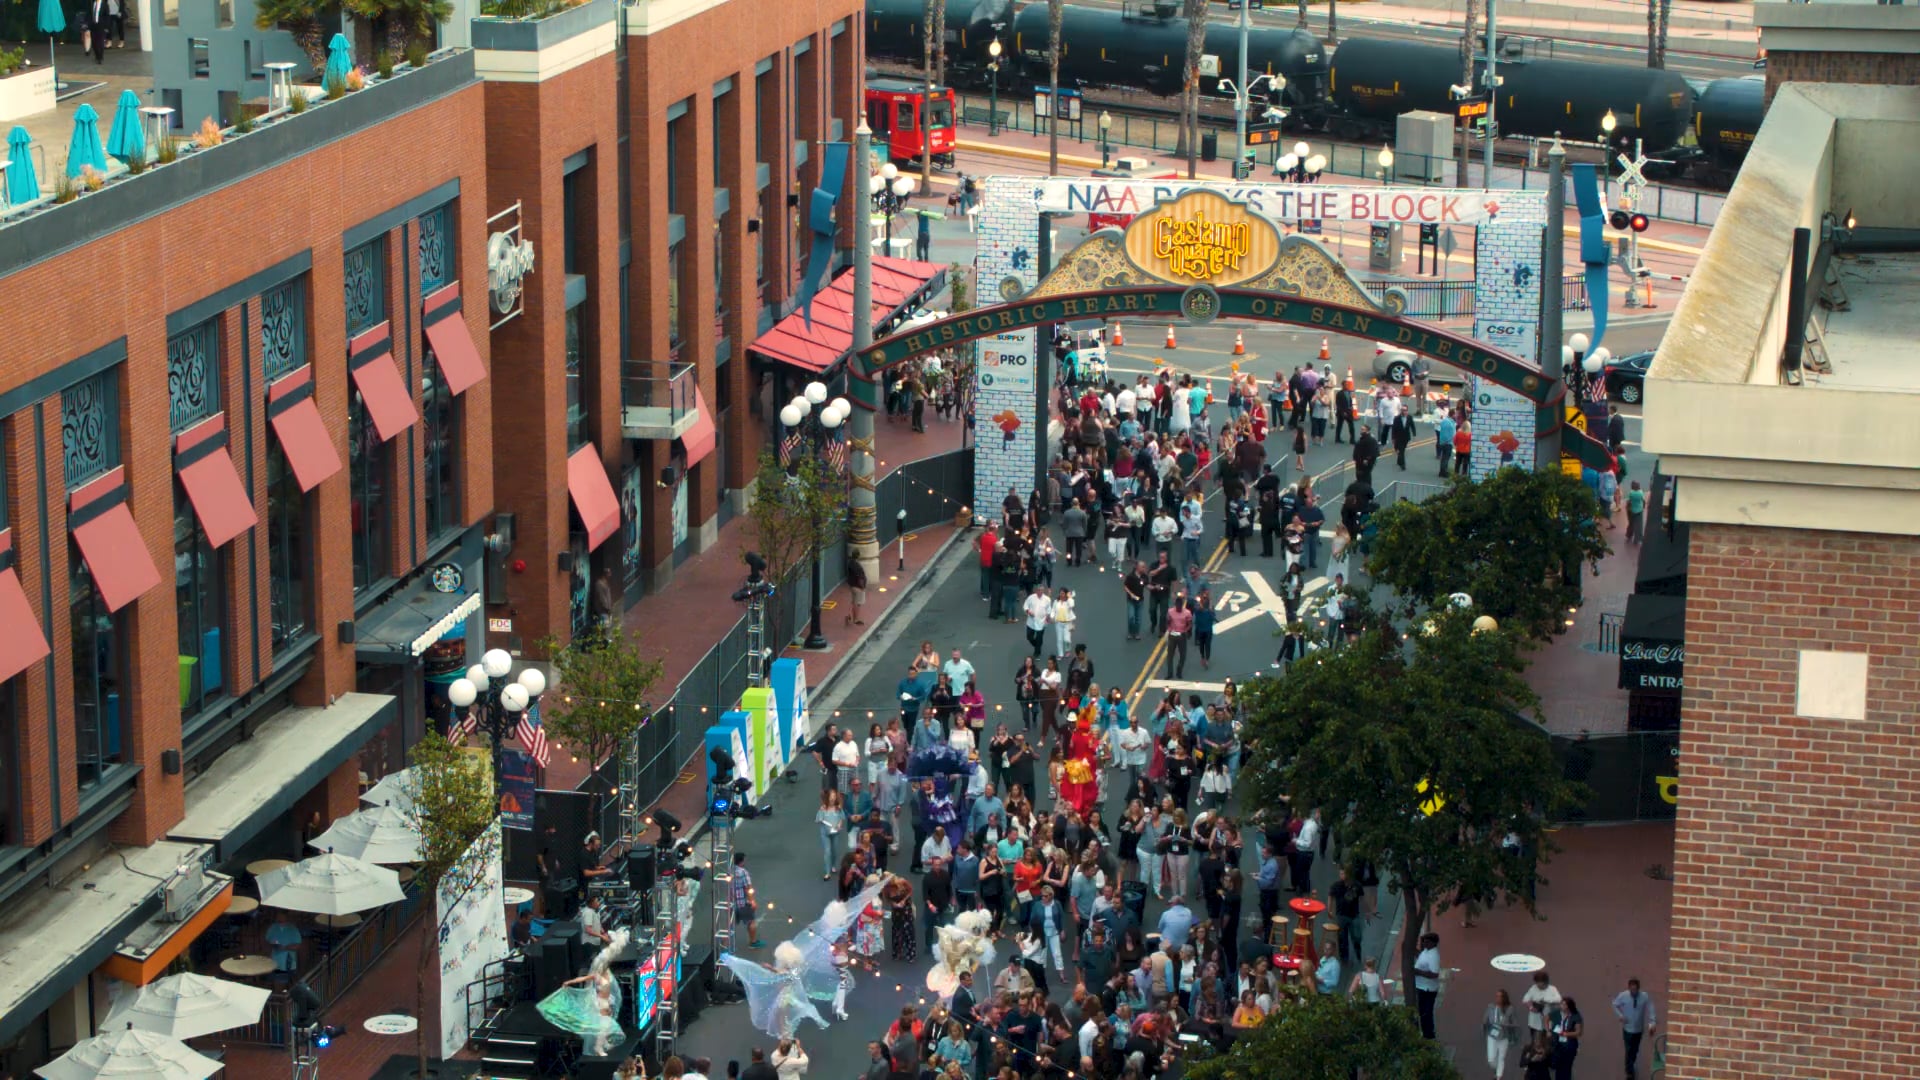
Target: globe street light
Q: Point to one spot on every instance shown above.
(813, 418)
(993, 107)
(1607, 124)
(1106, 125)
(500, 700)
(890, 191)
(1386, 164)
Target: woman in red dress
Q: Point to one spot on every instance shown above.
(1080, 788)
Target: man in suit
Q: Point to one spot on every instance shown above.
(96, 18)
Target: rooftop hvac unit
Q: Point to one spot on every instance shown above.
(182, 888)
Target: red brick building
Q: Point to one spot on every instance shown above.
(1779, 405)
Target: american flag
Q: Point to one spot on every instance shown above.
(462, 726)
(837, 454)
(534, 738)
(789, 446)
(1597, 387)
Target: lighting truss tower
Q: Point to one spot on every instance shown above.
(756, 639)
(666, 957)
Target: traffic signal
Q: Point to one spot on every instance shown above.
(1618, 219)
(1638, 223)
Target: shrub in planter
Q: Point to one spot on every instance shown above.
(64, 189)
(168, 151)
(209, 134)
(416, 53)
(298, 102)
(383, 63)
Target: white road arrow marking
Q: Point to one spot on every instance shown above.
(1232, 601)
(1267, 603)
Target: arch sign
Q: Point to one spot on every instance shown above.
(1198, 250)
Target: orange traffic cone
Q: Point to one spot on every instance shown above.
(1239, 345)
(1119, 339)
(1349, 378)
(1171, 344)
(1326, 350)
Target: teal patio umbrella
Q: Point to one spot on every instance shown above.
(22, 185)
(339, 62)
(127, 140)
(85, 150)
(52, 22)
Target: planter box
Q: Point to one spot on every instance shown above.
(26, 93)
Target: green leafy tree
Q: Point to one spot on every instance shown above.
(451, 804)
(1330, 1037)
(1425, 742)
(601, 695)
(1515, 542)
(798, 509)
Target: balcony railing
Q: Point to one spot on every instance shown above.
(657, 399)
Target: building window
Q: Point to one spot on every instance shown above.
(201, 601)
(193, 375)
(90, 438)
(762, 95)
(576, 407)
(719, 278)
(437, 452)
(287, 557)
(436, 248)
(10, 765)
(722, 104)
(365, 288)
(676, 129)
(283, 328)
(570, 253)
(90, 427)
(367, 484)
(673, 295)
(579, 605)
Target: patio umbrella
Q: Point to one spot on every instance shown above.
(187, 1006)
(330, 884)
(22, 185)
(127, 139)
(394, 789)
(85, 150)
(52, 22)
(130, 1053)
(381, 834)
(339, 62)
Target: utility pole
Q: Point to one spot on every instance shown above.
(863, 538)
(1493, 95)
(1240, 102)
(1552, 281)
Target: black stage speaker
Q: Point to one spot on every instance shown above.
(641, 864)
(696, 972)
(552, 961)
(567, 935)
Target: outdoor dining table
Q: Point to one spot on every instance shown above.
(247, 967)
(260, 867)
(242, 905)
(338, 922)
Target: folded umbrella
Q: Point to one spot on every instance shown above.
(187, 1006)
(330, 884)
(339, 62)
(85, 150)
(127, 139)
(52, 22)
(380, 834)
(394, 789)
(22, 185)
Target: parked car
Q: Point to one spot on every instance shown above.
(1398, 365)
(1627, 376)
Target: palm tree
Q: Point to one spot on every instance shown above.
(1658, 12)
(1303, 14)
(933, 30)
(1190, 105)
(1056, 11)
(1333, 22)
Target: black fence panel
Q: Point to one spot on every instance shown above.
(1630, 776)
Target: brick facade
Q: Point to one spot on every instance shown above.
(162, 264)
(1795, 885)
(1878, 69)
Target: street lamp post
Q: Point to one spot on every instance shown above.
(1106, 125)
(890, 191)
(993, 106)
(815, 419)
(1386, 165)
(1607, 124)
(500, 700)
(1581, 368)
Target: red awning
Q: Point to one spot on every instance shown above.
(382, 390)
(24, 642)
(213, 485)
(699, 439)
(109, 540)
(897, 283)
(593, 497)
(451, 341)
(303, 435)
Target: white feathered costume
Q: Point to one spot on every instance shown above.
(804, 970)
(962, 946)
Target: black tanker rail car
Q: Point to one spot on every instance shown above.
(1726, 117)
(896, 31)
(1374, 81)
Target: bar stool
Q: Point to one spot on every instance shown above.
(1277, 931)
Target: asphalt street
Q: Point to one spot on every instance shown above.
(784, 851)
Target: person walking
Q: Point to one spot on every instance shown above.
(1401, 431)
(1345, 411)
(1160, 581)
(1567, 1032)
(1497, 1024)
(1634, 1007)
(1192, 526)
(1636, 513)
(1443, 441)
(923, 237)
(833, 822)
(1134, 585)
(1366, 451)
(1039, 609)
(1063, 622)
(1074, 521)
(1426, 980)
(1203, 626)
(1179, 625)
(1165, 532)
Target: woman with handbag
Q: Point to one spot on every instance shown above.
(1497, 1024)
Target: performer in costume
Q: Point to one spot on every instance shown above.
(804, 970)
(870, 927)
(1080, 787)
(962, 947)
(590, 1005)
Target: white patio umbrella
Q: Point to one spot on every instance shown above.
(380, 834)
(330, 884)
(130, 1052)
(187, 1006)
(394, 789)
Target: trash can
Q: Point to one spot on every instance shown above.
(1209, 145)
(1133, 896)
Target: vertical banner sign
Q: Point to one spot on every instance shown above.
(757, 703)
(472, 909)
(730, 734)
(789, 678)
(519, 776)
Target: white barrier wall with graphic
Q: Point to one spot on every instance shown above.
(472, 909)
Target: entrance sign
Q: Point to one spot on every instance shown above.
(1292, 202)
(1202, 237)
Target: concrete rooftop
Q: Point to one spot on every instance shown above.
(1871, 343)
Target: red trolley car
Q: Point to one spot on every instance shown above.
(904, 116)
